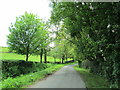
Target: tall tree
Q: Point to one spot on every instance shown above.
(94, 30)
(25, 34)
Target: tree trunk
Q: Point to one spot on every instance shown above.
(79, 63)
(66, 57)
(27, 57)
(45, 56)
(41, 53)
(63, 57)
(27, 53)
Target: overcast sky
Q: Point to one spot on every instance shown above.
(10, 9)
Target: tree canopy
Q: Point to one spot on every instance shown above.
(94, 29)
(27, 34)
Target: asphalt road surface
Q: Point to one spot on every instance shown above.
(66, 77)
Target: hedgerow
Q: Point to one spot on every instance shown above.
(28, 79)
(16, 68)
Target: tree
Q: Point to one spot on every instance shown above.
(47, 41)
(26, 34)
(63, 49)
(43, 43)
(94, 30)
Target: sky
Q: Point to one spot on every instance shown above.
(10, 9)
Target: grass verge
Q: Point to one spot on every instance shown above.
(25, 80)
(92, 80)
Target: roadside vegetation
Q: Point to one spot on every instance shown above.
(17, 73)
(79, 31)
(94, 30)
(92, 80)
(28, 79)
(15, 69)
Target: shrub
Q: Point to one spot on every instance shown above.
(17, 68)
(24, 80)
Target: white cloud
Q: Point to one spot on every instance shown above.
(10, 9)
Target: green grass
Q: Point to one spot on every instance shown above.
(92, 80)
(4, 49)
(25, 80)
(14, 56)
(5, 55)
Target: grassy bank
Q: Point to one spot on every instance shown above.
(91, 80)
(28, 79)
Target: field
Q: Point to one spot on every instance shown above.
(5, 55)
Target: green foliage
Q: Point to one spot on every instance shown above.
(26, 34)
(92, 80)
(14, 69)
(62, 49)
(94, 29)
(24, 80)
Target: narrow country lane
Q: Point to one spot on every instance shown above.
(66, 77)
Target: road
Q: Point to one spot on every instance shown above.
(66, 77)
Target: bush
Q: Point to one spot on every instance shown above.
(17, 68)
(24, 80)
